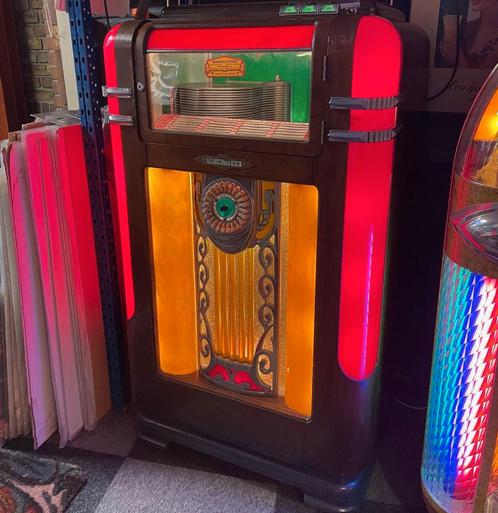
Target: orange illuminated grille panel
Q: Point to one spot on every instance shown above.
(234, 285)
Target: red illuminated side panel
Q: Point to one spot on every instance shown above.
(376, 74)
(119, 174)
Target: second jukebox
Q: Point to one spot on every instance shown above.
(253, 153)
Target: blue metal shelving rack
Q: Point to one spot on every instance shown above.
(86, 60)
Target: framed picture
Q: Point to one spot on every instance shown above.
(464, 35)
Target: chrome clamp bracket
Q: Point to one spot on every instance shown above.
(119, 119)
(348, 103)
(351, 6)
(117, 92)
(373, 136)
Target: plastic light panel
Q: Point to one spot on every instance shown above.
(463, 372)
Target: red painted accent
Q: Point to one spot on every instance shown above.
(219, 370)
(376, 73)
(119, 174)
(238, 377)
(292, 37)
(243, 377)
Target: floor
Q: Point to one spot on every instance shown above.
(128, 475)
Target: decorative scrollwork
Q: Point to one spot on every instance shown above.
(265, 214)
(264, 362)
(236, 376)
(260, 376)
(203, 301)
(226, 219)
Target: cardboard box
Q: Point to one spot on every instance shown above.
(115, 7)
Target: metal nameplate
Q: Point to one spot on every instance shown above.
(223, 162)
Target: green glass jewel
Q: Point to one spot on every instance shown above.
(226, 207)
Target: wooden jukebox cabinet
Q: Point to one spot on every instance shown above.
(253, 149)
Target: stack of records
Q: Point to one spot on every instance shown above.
(243, 100)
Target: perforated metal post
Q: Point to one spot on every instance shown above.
(86, 56)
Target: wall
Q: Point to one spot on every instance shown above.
(10, 69)
(40, 57)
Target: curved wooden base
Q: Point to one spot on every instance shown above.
(321, 492)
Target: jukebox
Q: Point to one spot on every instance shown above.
(253, 152)
(460, 463)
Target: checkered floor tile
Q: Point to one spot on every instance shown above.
(128, 475)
